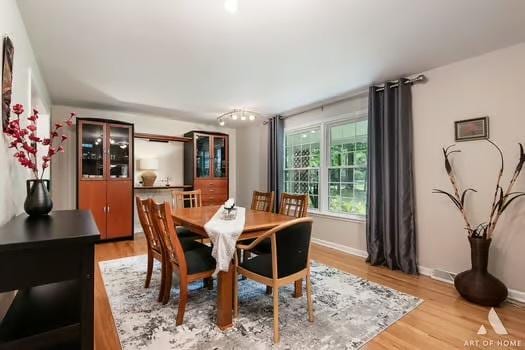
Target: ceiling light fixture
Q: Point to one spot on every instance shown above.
(237, 114)
(231, 6)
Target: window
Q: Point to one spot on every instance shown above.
(329, 162)
(347, 167)
(302, 163)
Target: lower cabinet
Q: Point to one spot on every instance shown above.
(214, 192)
(120, 209)
(111, 203)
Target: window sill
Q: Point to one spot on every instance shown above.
(342, 217)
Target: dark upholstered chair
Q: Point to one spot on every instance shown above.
(190, 264)
(288, 263)
(295, 205)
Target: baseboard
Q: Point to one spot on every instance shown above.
(340, 247)
(514, 295)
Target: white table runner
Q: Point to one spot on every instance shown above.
(224, 235)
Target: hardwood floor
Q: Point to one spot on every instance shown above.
(443, 321)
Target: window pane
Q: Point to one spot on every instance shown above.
(347, 175)
(302, 162)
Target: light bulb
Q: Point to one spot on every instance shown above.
(231, 6)
(112, 141)
(221, 122)
(243, 117)
(234, 116)
(252, 117)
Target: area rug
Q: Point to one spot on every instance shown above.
(348, 311)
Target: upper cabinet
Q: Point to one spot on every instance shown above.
(220, 168)
(202, 156)
(105, 150)
(120, 137)
(206, 165)
(92, 148)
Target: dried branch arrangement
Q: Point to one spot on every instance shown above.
(502, 199)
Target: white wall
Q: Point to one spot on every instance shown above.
(491, 85)
(488, 85)
(26, 76)
(63, 177)
(252, 156)
(25, 70)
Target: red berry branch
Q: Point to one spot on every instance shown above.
(25, 141)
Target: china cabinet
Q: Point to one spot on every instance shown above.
(105, 175)
(206, 165)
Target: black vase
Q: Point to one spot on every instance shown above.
(477, 285)
(38, 202)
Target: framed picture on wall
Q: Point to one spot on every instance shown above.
(472, 129)
(7, 79)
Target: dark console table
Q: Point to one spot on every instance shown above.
(49, 261)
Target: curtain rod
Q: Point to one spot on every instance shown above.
(395, 83)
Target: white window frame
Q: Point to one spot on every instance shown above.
(325, 156)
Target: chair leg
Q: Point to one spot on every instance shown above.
(149, 271)
(183, 299)
(309, 298)
(208, 283)
(276, 335)
(162, 281)
(167, 284)
(268, 290)
(235, 293)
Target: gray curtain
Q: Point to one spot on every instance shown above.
(391, 229)
(275, 157)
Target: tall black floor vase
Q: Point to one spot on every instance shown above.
(477, 285)
(38, 201)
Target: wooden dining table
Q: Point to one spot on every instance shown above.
(256, 223)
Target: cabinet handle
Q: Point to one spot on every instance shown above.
(108, 208)
(104, 209)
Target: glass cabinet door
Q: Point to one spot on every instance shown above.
(119, 152)
(219, 156)
(202, 155)
(92, 135)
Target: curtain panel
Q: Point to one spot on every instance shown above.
(276, 157)
(391, 228)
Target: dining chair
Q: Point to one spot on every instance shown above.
(187, 199)
(295, 205)
(288, 263)
(263, 201)
(191, 265)
(152, 240)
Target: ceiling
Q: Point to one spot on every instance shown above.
(191, 59)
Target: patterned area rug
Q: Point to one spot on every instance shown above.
(348, 311)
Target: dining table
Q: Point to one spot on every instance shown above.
(256, 223)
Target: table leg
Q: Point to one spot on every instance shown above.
(225, 299)
(298, 289)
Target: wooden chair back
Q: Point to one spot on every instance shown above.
(295, 205)
(187, 199)
(152, 237)
(263, 201)
(171, 246)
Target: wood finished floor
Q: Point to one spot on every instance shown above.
(443, 321)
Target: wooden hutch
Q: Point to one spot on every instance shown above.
(206, 160)
(105, 174)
